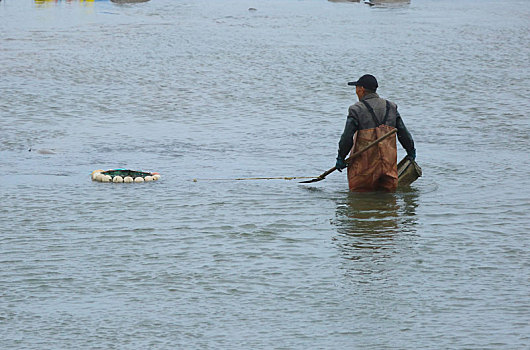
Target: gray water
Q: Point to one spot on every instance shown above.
(208, 89)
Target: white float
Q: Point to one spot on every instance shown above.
(123, 175)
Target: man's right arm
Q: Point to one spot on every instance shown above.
(346, 140)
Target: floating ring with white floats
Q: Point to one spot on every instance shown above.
(123, 176)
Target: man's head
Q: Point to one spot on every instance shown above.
(365, 85)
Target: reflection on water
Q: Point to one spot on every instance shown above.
(50, 3)
(67, 1)
(372, 221)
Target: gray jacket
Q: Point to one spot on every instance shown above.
(360, 118)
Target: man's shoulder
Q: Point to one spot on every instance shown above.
(384, 100)
(359, 107)
(356, 108)
(392, 104)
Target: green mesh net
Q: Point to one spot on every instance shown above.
(126, 172)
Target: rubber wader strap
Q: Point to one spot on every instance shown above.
(371, 110)
(387, 111)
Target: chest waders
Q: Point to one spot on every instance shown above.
(375, 169)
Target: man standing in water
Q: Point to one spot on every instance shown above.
(369, 119)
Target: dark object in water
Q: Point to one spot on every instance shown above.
(127, 1)
(386, 2)
(42, 151)
(408, 172)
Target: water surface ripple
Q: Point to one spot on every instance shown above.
(208, 89)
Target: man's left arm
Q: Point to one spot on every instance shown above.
(405, 138)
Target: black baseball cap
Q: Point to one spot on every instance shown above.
(367, 81)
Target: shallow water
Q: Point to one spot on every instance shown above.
(207, 90)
